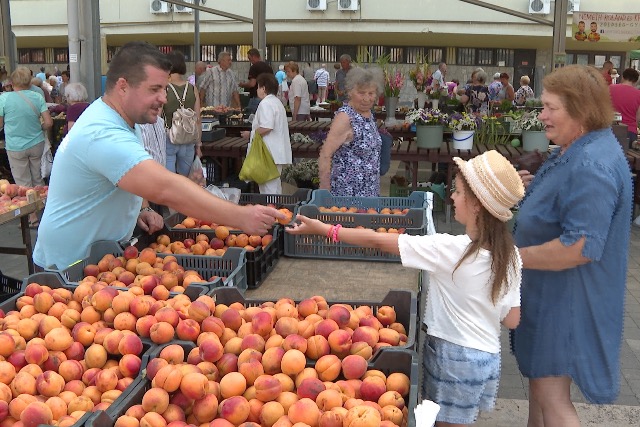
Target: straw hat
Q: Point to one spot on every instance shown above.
(494, 181)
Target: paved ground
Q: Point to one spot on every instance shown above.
(359, 280)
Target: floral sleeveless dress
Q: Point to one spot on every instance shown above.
(355, 168)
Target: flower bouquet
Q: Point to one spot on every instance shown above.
(464, 121)
(427, 117)
(393, 82)
(419, 76)
(304, 173)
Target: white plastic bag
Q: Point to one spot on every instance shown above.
(46, 161)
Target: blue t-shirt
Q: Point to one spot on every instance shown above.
(84, 203)
(280, 76)
(22, 128)
(571, 322)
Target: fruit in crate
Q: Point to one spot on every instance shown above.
(13, 196)
(354, 209)
(214, 246)
(144, 270)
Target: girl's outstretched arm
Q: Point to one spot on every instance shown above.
(387, 242)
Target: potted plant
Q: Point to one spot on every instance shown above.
(463, 126)
(533, 132)
(418, 77)
(303, 173)
(434, 96)
(430, 125)
(533, 103)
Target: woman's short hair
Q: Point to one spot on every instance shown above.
(292, 66)
(631, 75)
(481, 76)
(75, 92)
(21, 77)
(36, 81)
(178, 64)
(525, 80)
(268, 82)
(584, 92)
(359, 77)
(53, 80)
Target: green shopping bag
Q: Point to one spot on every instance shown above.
(258, 166)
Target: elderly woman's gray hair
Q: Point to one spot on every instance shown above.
(481, 77)
(75, 92)
(361, 77)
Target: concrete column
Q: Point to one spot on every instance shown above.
(559, 33)
(90, 65)
(7, 39)
(260, 26)
(196, 32)
(73, 28)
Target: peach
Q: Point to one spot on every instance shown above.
(361, 348)
(139, 306)
(399, 382)
(194, 385)
(188, 330)
(304, 411)
(253, 341)
(306, 373)
(169, 315)
(328, 367)
(293, 362)
(84, 333)
(284, 421)
(19, 403)
(43, 302)
(58, 407)
(27, 328)
(295, 341)
(272, 360)
(36, 413)
(227, 363)
(174, 413)
(262, 323)
(211, 350)
(391, 398)
(362, 415)
(154, 366)
(250, 370)
(370, 320)
(339, 342)
(205, 409)
(270, 413)
(75, 352)
(310, 388)
(234, 409)
(123, 383)
(173, 353)
(155, 400)
(232, 384)
(354, 366)
(50, 384)
(389, 336)
(23, 383)
(329, 399)
(372, 388)
(213, 324)
(126, 420)
(47, 323)
(267, 388)
(144, 324)
(340, 314)
(307, 307)
(106, 380)
(317, 346)
(152, 419)
(231, 319)
(367, 334)
(130, 344)
(17, 359)
(112, 341)
(255, 407)
(286, 326)
(286, 399)
(386, 315)
(325, 327)
(161, 332)
(330, 419)
(95, 356)
(125, 321)
(34, 353)
(7, 372)
(286, 381)
(306, 329)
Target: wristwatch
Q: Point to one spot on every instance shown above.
(146, 209)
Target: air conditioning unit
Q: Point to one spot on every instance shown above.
(183, 9)
(540, 7)
(316, 4)
(574, 6)
(157, 6)
(348, 5)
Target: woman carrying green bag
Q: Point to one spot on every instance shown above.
(270, 122)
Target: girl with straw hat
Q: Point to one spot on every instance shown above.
(474, 285)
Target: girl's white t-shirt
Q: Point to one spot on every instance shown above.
(459, 307)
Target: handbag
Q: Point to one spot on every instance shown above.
(183, 122)
(46, 161)
(259, 166)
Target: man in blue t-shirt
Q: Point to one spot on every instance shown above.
(102, 173)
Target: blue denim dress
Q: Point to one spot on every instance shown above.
(355, 169)
(572, 320)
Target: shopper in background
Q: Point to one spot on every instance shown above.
(102, 172)
(494, 88)
(439, 77)
(574, 243)
(36, 86)
(180, 157)
(299, 102)
(322, 80)
(198, 70)
(606, 71)
(218, 85)
(524, 92)
(474, 285)
(349, 161)
(76, 95)
(258, 66)
(626, 101)
(341, 77)
(25, 116)
(506, 92)
(476, 97)
(64, 76)
(270, 122)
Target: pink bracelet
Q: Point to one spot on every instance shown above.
(335, 233)
(330, 233)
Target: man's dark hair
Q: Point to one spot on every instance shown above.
(631, 75)
(42, 69)
(66, 73)
(177, 62)
(130, 61)
(269, 82)
(254, 52)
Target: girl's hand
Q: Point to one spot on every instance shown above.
(308, 226)
(526, 177)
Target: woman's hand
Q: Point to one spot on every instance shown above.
(526, 177)
(308, 226)
(245, 134)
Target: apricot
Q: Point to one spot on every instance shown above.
(293, 362)
(155, 400)
(372, 388)
(267, 388)
(36, 413)
(234, 409)
(304, 411)
(399, 382)
(194, 385)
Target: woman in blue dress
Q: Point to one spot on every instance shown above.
(573, 229)
(349, 163)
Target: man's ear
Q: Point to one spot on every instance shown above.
(121, 85)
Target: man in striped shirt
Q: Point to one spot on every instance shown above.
(219, 85)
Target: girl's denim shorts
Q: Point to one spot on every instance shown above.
(462, 380)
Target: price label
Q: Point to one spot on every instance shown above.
(16, 212)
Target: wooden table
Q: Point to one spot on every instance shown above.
(23, 214)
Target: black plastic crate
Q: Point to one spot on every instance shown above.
(405, 304)
(8, 286)
(392, 361)
(302, 195)
(416, 200)
(259, 262)
(50, 279)
(415, 223)
(75, 273)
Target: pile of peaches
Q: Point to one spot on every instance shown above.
(190, 222)
(13, 196)
(353, 209)
(144, 270)
(215, 246)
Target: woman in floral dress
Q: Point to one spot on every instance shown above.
(349, 163)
